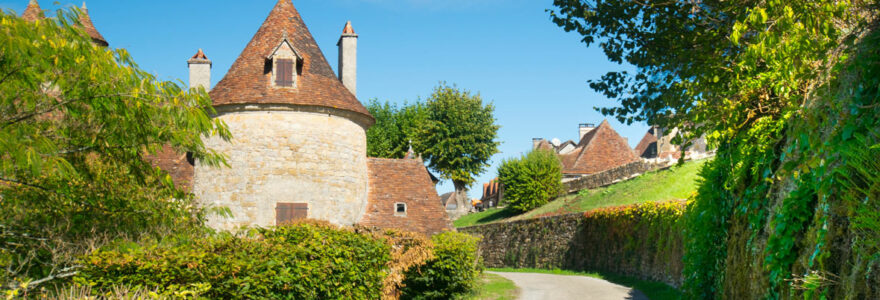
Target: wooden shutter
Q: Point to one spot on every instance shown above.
(284, 72)
(288, 212)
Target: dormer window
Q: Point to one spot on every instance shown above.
(285, 62)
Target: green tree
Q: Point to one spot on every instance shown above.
(76, 121)
(787, 90)
(531, 180)
(395, 128)
(458, 137)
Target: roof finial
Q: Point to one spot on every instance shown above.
(284, 34)
(32, 2)
(84, 6)
(348, 29)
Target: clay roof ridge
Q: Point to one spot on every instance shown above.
(33, 11)
(89, 27)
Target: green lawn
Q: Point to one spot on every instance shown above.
(494, 287)
(652, 289)
(677, 182)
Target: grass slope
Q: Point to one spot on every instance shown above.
(494, 287)
(677, 182)
(654, 290)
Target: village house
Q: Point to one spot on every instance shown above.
(299, 138)
(658, 144)
(599, 148)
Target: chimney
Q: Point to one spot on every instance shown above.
(585, 128)
(536, 142)
(348, 58)
(199, 71)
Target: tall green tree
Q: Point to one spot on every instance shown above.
(531, 180)
(76, 121)
(458, 137)
(396, 127)
(787, 90)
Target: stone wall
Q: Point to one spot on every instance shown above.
(286, 156)
(617, 174)
(642, 241)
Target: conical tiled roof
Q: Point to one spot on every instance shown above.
(90, 28)
(249, 80)
(33, 11)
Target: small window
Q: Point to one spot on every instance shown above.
(284, 73)
(289, 212)
(400, 209)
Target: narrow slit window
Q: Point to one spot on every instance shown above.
(284, 73)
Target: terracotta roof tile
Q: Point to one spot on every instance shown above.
(405, 181)
(647, 147)
(599, 150)
(248, 80)
(90, 28)
(33, 11)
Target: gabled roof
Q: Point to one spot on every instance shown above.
(248, 80)
(647, 147)
(33, 11)
(90, 28)
(393, 181)
(599, 150)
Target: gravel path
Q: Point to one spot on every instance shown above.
(535, 286)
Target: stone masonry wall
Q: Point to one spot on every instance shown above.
(286, 156)
(608, 177)
(630, 241)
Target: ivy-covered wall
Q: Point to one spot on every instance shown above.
(642, 241)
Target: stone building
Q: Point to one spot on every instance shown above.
(299, 138)
(658, 144)
(599, 148)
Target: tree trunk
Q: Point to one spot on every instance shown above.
(462, 200)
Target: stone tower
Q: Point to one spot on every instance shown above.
(299, 135)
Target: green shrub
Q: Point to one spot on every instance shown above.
(452, 273)
(531, 180)
(300, 261)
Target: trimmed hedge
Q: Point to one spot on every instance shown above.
(300, 261)
(452, 273)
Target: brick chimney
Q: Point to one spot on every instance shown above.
(585, 128)
(348, 58)
(199, 71)
(536, 142)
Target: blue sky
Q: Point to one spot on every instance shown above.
(507, 50)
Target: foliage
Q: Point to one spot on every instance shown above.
(458, 137)
(408, 250)
(531, 180)
(452, 273)
(395, 129)
(494, 287)
(788, 91)
(76, 121)
(300, 261)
